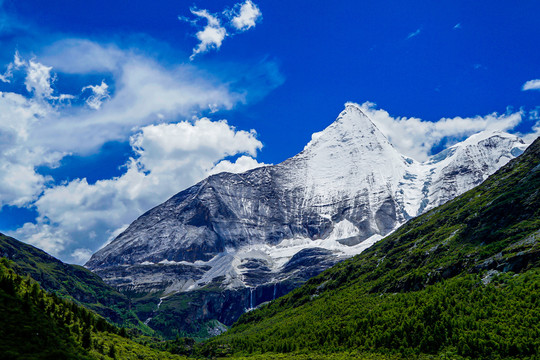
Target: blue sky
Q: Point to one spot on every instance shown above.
(108, 108)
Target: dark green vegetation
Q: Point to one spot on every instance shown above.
(68, 281)
(39, 325)
(463, 280)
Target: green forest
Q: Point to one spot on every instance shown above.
(41, 325)
(460, 316)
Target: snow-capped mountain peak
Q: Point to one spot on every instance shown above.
(467, 163)
(349, 154)
(352, 129)
(344, 191)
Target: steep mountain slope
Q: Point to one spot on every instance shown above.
(251, 237)
(69, 281)
(343, 192)
(460, 280)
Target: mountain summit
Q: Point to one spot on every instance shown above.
(350, 154)
(285, 223)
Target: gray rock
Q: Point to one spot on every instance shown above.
(288, 222)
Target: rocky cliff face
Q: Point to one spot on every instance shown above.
(285, 223)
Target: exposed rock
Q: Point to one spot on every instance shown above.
(285, 223)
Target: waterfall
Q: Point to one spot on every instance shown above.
(274, 291)
(154, 312)
(251, 298)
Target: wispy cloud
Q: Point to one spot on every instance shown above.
(81, 255)
(38, 78)
(479, 67)
(12, 66)
(242, 17)
(457, 26)
(414, 33)
(531, 85)
(212, 34)
(9, 22)
(100, 93)
(143, 102)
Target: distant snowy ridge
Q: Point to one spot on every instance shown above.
(347, 189)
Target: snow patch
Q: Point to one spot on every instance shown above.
(343, 229)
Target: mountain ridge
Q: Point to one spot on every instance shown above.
(231, 211)
(255, 235)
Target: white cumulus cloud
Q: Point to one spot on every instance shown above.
(242, 164)
(170, 157)
(38, 80)
(19, 182)
(246, 15)
(35, 130)
(416, 138)
(144, 91)
(531, 85)
(49, 238)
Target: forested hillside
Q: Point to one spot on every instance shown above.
(39, 325)
(463, 280)
(69, 281)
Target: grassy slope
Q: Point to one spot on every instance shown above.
(461, 280)
(70, 281)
